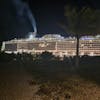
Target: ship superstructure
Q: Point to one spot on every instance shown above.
(54, 43)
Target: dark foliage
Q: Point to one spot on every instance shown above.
(49, 67)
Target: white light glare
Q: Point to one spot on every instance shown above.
(31, 36)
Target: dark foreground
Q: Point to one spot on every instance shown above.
(44, 77)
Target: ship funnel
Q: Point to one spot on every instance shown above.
(23, 9)
(31, 19)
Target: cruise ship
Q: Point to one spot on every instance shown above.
(57, 44)
(54, 43)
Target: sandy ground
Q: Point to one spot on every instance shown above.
(14, 84)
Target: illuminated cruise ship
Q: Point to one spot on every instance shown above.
(54, 43)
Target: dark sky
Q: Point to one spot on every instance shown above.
(48, 15)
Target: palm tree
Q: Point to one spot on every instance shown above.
(80, 22)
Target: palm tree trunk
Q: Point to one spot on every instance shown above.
(77, 51)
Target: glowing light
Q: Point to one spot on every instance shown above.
(87, 38)
(91, 54)
(31, 36)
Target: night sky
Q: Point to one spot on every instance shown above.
(48, 15)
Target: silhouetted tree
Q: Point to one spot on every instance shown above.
(47, 56)
(81, 22)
